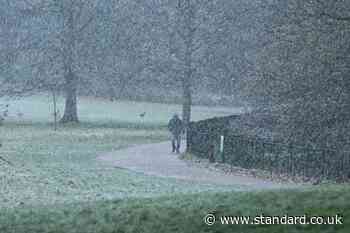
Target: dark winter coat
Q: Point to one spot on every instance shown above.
(175, 126)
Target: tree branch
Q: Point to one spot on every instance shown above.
(6, 161)
(336, 17)
(86, 24)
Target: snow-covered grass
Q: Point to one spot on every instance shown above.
(61, 167)
(95, 110)
(57, 185)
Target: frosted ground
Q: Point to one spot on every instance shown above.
(60, 167)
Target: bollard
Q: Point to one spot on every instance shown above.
(222, 138)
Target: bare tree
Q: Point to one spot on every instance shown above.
(57, 36)
(76, 15)
(186, 30)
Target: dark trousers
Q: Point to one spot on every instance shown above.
(176, 143)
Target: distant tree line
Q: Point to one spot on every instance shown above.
(286, 58)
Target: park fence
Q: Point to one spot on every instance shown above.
(204, 139)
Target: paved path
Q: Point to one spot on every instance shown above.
(156, 159)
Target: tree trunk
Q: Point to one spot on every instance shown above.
(54, 100)
(71, 110)
(186, 10)
(187, 82)
(187, 100)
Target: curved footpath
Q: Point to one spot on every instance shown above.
(156, 159)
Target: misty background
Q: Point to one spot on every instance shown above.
(285, 61)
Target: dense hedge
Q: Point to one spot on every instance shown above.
(205, 134)
(257, 153)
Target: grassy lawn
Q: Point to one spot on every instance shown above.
(102, 112)
(57, 185)
(60, 167)
(185, 213)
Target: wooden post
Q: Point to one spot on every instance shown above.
(54, 107)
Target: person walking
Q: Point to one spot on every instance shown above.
(175, 127)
